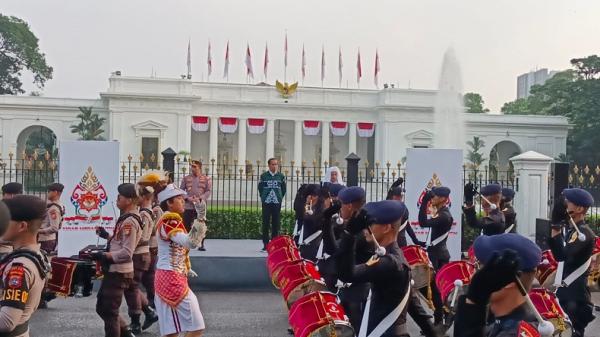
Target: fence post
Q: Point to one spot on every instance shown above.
(531, 198)
(169, 162)
(352, 167)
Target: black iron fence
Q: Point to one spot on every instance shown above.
(587, 176)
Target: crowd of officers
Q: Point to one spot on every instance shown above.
(357, 247)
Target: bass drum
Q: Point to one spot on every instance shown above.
(421, 269)
(319, 314)
(547, 305)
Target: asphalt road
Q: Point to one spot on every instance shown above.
(227, 314)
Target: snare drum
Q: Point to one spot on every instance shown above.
(278, 258)
(595, 267)
(420, 266)
(299, 278)
(280, 241)
(71, 277)
(547, 305)
(319, 314)
(546, 270)
(448, 274)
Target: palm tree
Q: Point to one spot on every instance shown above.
(474, 157)
(89, 126)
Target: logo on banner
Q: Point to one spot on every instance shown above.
(433, 182)
(88, 198)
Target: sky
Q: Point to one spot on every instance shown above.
(495, 41)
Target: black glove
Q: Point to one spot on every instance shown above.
(397, 183)
(358, 222)
(469, 193)
(99, 256)
(101, 232)
(421, 243)
(427, 197)
(333, 209)
(559, 213)
(500, 271)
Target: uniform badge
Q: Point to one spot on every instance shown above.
(126, 228)
(373, 260)
(53, 215)
(573, 237)
(527, 330)
(15, 276)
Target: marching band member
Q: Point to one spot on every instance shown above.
(9, 190)
(299, 203)
(510, 216)
(326, 251)
(117, 263)
(387, 271)
(25, 269)
(318, 200)
(505, 257)
(573, 251)
(397, 193)
(493, 222)
(177, 306)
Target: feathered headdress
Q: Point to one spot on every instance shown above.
(154, 181)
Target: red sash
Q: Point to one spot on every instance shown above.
(171, 286)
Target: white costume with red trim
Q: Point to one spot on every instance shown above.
(176, 305)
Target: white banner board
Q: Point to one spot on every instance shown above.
(426, 168)
(89, 170)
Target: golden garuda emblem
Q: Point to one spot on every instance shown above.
(286, 90)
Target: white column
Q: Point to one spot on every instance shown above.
(352, 138)
(531, 198)
(324, 143)
(184, 140)
(270, 150)
(242, 143)
(214, 141)
(298, 143)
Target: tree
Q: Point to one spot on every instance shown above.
(475, 157)
(474, 103)
(517, 107)
(19, 50)
(89, 126)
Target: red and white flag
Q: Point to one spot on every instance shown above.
(266, 61)
(338, 128)
(358, 68)
(209, 60)
(249, 69)
(311, 128)
(365, 130)
(189, 59)
(228, 124)
(377, 69)
(200, 123)
(340, 66)
(226, 69)
(303, 64)
(256, 126)
(322, 64)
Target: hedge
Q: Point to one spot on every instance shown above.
(231, 223)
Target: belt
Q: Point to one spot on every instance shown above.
(18, 330)
(143, 243)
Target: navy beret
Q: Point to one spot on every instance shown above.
(334, 189)
(397, 191)
(351, 194)
(490, 189)
(530, 255)
(25, 207)
(386, 211)
(441, 191)
(4, 217)
(12, 188)
(508, 194)
(127, 190)
(311, 189)
(579, 197)
(58, 187)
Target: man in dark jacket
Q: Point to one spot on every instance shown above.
(272, 188)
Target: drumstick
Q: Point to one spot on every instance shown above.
(457, 284)
(545, 328)
(380, 251)
(492, 206)
(580, 235)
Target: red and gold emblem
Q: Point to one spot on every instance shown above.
(433, 182)
(89, 196)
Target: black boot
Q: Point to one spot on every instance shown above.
(150, 317)
(127, 333)
(135, 325)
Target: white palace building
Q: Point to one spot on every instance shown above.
(228, 122)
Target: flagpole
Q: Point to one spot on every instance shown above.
(285, 61)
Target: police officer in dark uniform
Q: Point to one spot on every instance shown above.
(397, 193)
(505, 258)
(493, 222)
(387, 271)
(510, 216)
(573, 251)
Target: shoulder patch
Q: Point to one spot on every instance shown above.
(15, 276)
(527, 330)
(372, 261)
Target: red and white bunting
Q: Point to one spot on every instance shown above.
(200, 123)
(365, 130)
(228, 124)
(339, 128)
(311, 128)
(256, 126)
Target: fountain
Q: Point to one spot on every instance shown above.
(448, 124)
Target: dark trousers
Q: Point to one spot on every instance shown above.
(133, 295)
(148, 277)
(189, 215)
(109, 300)
(271, 218)
(439, 257)
(419, 315)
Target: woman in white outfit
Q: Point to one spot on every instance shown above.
(176, 305)
(333, 175)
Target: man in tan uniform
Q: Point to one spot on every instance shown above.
(47, 235)
(117, 262)
(24, 270)
(198, 187)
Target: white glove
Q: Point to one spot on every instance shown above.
(200, 210)
(192, 273)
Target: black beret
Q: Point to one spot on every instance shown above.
(334, 189)
(25, 207)
(490, 189)
(4, 217)
(397, 191)
(441, 191)
(351, 194)
(508, 194)
(127, 190)
(386, 211)
(530, 255)
(58, 187)
(579, 197)
(311, 189)
(12, 188)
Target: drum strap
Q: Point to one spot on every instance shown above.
(387, 321)
(295, 228)
(439, 239)
(510, 228)
(574, 275)
(403, 226)
(311, 238)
